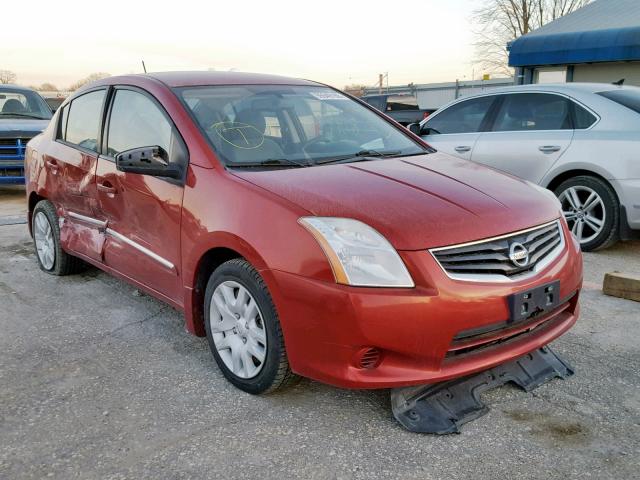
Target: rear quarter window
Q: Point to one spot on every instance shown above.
(83, 120)
(582, 118)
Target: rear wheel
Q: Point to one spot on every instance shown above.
(46, 238)
(243, 329)
(592, 211)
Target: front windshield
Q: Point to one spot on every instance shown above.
(296, 125)
(19, 103)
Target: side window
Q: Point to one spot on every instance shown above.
(463, 117)
(401, 102)
(136, 121)
(533, 111)
(376, 102)
(83, 120)
(582, 118)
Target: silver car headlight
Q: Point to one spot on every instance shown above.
(358, 254)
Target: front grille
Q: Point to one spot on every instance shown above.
(12, 150)
(501, 258)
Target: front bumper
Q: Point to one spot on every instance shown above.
(418, 331)
(12, 174)
(629, 194)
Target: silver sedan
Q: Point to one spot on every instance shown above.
(582, 141)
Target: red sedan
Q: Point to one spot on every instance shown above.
(300, 230)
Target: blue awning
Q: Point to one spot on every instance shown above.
(608, 45)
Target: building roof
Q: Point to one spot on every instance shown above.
(603, 31)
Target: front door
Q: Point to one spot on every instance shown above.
(142, 212)
(456, 129)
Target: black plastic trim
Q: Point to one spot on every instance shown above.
(626, 232)
(443, 408)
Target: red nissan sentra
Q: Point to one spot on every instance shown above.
(300, 230)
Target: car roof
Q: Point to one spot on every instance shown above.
(17, 88)
(561, 87)
(201, 78)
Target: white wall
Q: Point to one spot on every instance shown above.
(550, 75)
(608, 72)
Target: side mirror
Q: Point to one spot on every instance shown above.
(414, 128)
(153, 160)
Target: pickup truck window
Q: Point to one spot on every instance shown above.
(402, 102)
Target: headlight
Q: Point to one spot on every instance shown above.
(358, 254)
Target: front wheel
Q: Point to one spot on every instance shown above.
(592, 211)
(243, 329)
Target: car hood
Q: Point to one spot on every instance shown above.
(21, 127)
(415, 202)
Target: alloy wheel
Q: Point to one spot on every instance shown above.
(43, 237)
(585, 212)
(238, 329)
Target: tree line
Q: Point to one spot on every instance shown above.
(7, 77)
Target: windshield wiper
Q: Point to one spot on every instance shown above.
(271, 162)
(9, 114)
(361, 156)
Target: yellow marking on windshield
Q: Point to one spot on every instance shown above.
(244, 130)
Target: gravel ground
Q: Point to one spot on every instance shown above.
(97, 381)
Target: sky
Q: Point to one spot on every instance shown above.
(336, 42)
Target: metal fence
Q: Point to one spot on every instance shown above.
(434, 95)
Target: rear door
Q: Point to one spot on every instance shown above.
(456, 129)
(531, 131)
(71, 160)
(142, 212)
(71, 163)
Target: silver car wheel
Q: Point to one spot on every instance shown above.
(45, 244)
(585, 212)
(238, 329)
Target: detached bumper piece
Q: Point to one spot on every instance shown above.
(444, 407)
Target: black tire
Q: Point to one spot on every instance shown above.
(275, 373)
(610, 233)
(64, 264)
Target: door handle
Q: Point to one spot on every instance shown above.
(549, 148)
(107, 188)
(462, 149)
